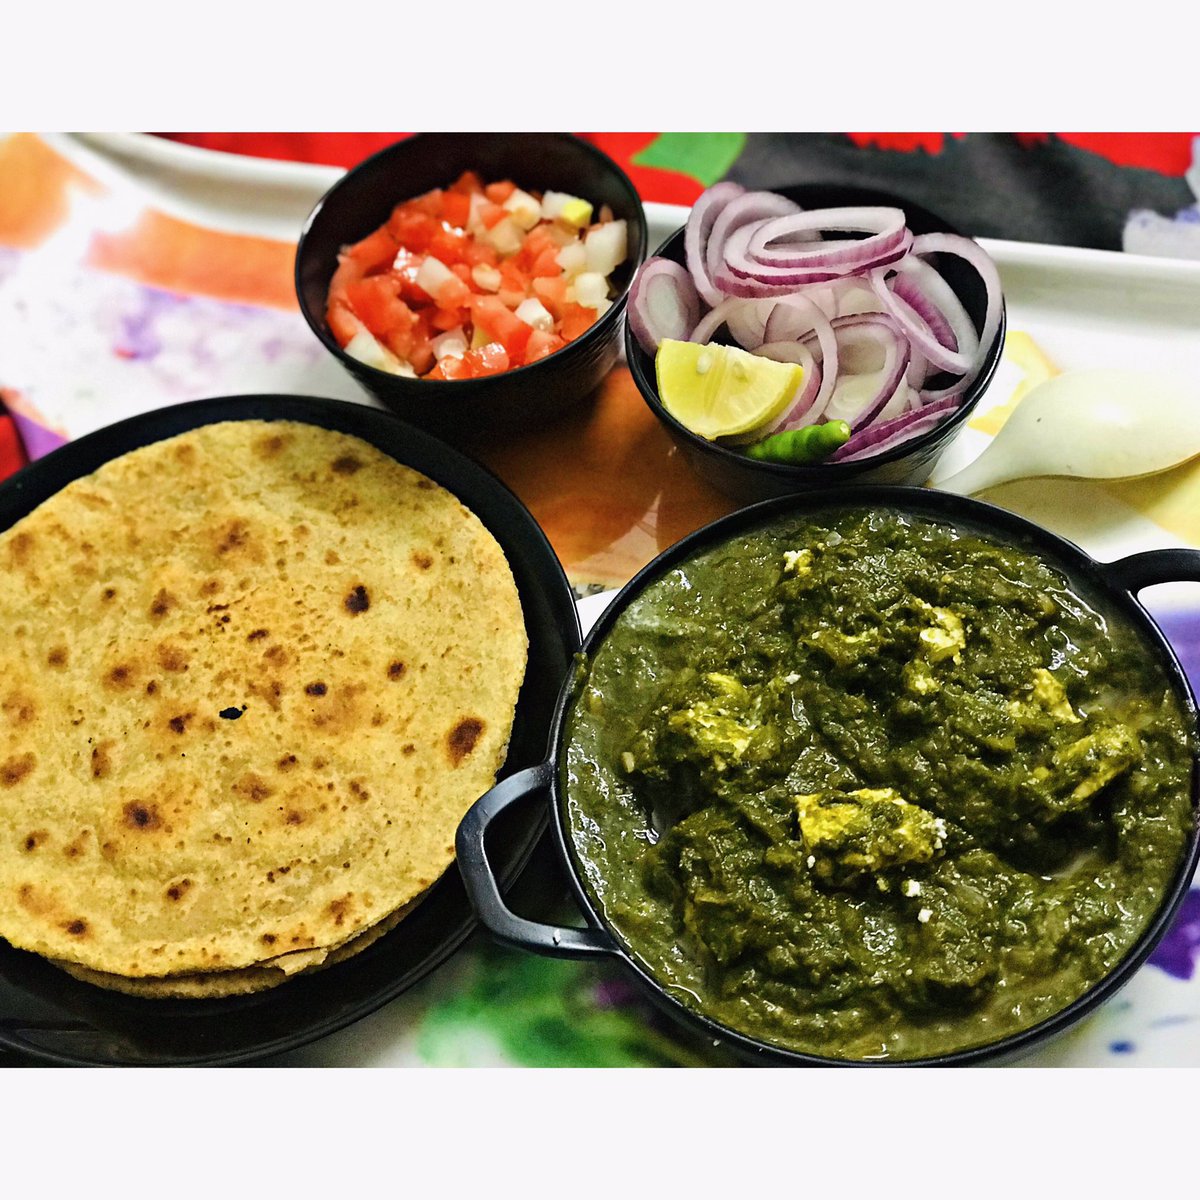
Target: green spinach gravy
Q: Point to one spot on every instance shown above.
(872, 787)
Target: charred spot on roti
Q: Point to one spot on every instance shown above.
(102, 759)
(253, 787)
(357, 601)
(77, 927)
(34, 839)
(171, 657)
(272, 445)
(332, 558)
(256, 635)
(179, 722)
(20, 548)
(151, 688)
(19, 707)
(339, 909)
(108, 594)
(286, 763)
(346, 464)
(16, 768)
(316, 689)
(119, 677)
(462, 738)
(268, 939)
(233, 535)
(57, 656)
(137, 814)
(421, 560)
(162, 604)
(294, 817)
(179, 889)
(396, 669)
(408, 748)
(232, 713)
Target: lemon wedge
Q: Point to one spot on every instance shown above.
(721, 391)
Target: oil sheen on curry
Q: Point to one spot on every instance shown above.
(867, 786)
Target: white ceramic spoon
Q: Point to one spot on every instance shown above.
(1094, 424)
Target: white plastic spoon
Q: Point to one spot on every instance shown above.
(1094, 424)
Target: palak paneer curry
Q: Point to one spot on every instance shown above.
(868, 786)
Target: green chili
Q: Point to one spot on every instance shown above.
(798, 446)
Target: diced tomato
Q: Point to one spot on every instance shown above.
(413, 230)
(480, 253)
(490, 359)
(376, 250)
(453, 294)
(512, 277)
(576, 320)
(552, 293)
(497, 193)
(537, 241)
(447, 246)
(421, 357)
(546, 266)
(456, 208)
(466, 183)
(430, 203)
(348, 270)
(436, 373)
(405, 270)
(343, 324)
(541, 344)
(448, 318)
(491, 215)
(376, 301)
(500, 325)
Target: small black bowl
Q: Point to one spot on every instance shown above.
(465, 410)
(1109, 586)
(747, 479)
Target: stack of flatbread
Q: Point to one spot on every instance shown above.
(251, 678)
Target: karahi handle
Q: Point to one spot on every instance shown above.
(1153, 566)
(484, 891)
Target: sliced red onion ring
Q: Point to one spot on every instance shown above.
(974, 253)
(696, 234)
(773, 243)
(747, 325)
(803, 410)
(663, 303)
(929, 294)
(858, 397)
(715, 318)
(747, 209)
(919, 330)
(825, 352)
(886, 435)
(751, 276)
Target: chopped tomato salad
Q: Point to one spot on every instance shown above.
(474, 279)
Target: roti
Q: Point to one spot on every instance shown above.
(254, 676)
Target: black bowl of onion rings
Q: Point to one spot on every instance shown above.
(897, 319)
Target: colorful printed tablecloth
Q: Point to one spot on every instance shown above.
(127, 283)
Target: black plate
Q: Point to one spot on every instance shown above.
(46, 1014)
